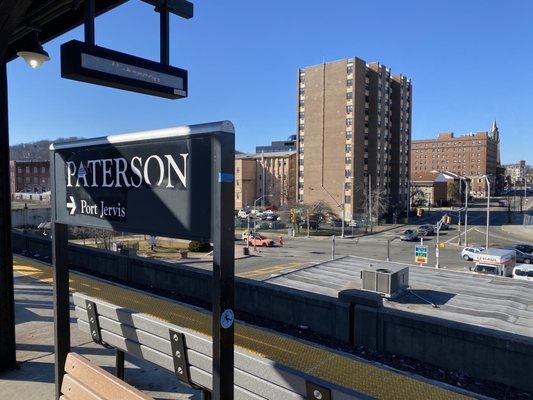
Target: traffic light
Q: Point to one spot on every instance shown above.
(419, 212)
(293, 216)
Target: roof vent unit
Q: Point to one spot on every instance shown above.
(386, 281)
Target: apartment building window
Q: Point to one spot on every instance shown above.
(349, 108)
(347, 160)
(302, 90)
(348, 134)
(347, 173)
(349, 69)
(27, 170)
(349, 82)
(348, 121)
(19, 170)
(302, 103)
(348, 147)
(302, 115)
(302, 127)
(35, 170)
(349, 95)
(347, 199)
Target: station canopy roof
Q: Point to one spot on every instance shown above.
(19, 18)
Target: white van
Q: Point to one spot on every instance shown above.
(523, 272)
(498, 262)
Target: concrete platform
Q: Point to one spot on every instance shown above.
(492, 302)
(35, 352)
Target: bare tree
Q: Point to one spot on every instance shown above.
(319, 211)
(380, 203)
(418, 197)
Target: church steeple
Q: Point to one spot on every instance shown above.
(495, 133)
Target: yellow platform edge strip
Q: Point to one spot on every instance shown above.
(344, 371)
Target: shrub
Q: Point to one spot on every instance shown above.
(199, 247)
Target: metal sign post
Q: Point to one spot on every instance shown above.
(176, 182)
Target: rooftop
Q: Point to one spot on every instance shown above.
(503, 304)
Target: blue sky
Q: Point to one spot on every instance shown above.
(469, 61)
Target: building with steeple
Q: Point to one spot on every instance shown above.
(471, 155)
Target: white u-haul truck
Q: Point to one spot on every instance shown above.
(499, 262)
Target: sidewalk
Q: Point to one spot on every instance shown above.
(35, 352)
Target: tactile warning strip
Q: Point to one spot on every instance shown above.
(329, 366)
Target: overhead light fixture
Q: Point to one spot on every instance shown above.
(33, 53)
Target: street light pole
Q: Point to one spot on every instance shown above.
(488, 211)
(467, 188)
(343, 198)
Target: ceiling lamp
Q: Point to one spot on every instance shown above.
(32, 52)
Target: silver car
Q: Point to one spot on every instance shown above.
(469, 252)
(409, 235)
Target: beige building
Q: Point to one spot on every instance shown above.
(429, 187)
(354, 129)
(471, 155)
(269, 177)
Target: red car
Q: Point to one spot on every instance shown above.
(261, 241)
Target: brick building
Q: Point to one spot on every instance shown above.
(271, 174)
(472, 155)
(354, 129)
(29, 176)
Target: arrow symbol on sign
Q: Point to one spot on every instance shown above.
(71, 205)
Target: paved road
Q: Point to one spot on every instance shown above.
(301, 252)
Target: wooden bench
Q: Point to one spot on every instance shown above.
(85, 381)
(188, 354)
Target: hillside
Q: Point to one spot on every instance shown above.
(34, 151)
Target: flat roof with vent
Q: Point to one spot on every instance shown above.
(499, 303)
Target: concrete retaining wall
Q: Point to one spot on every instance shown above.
(356, 317)
(30, 216)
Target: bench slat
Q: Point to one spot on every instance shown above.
(263, 370)
(104, 385)
(110, 315)
(147, 338)
(253, 386)
(77, 390)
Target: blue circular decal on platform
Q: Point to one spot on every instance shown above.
(226, 319)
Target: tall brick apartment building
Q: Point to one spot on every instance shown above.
(471, 155)
(29, 176)
(354, 127)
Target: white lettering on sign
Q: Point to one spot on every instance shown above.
(155, 171)
(101, 210)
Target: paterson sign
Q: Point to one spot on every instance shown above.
(151, 183)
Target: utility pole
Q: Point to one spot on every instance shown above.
(488, 212)
(370, 202)
(333, 247)
(439, 225)
(307, 214)
(408, 203)
(388, 249)
(343, 198)
(466, 210)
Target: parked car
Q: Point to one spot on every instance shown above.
(444, 226)
(335, 221)
(271, 217)
(525, 248)
(313, 224)
(523, 272)
(409, 235)
(242, 214)
(521, 257)
(428, 228)
(256, 239)
(468, 252)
